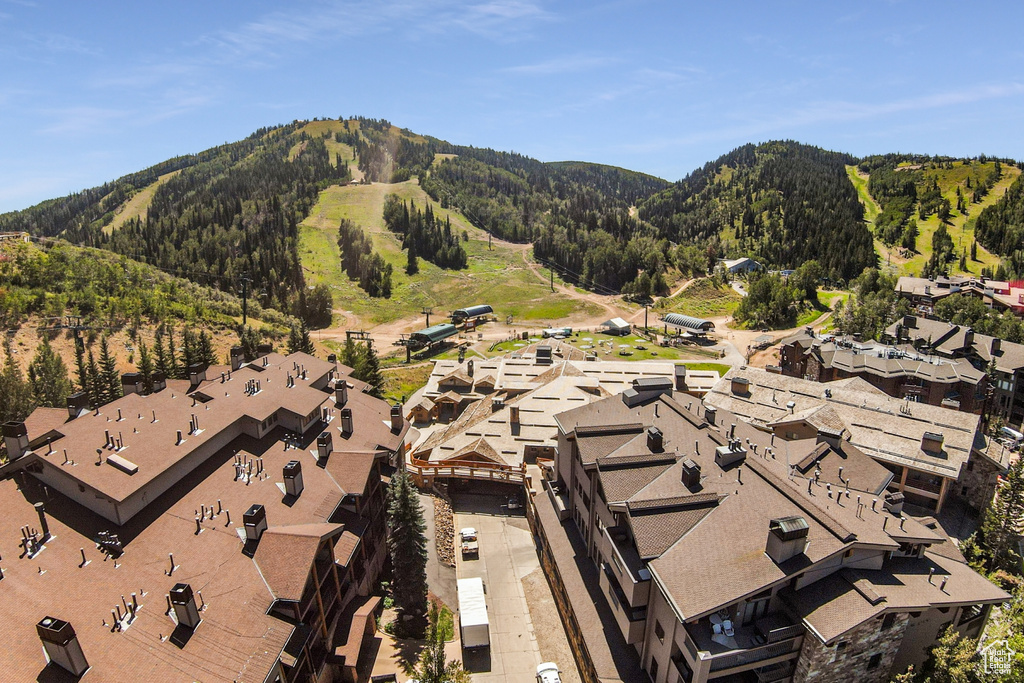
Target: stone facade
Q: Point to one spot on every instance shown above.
(977, 482)
(850, 656)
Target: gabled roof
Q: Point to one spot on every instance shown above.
(285, 555)
(481, 448)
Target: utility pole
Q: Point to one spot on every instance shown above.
(245, 299)
(427, 310)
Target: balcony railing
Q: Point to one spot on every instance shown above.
(756, 654)
(924, 485)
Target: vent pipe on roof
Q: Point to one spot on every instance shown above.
(60, 643)
(179, 439)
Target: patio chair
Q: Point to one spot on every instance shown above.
(728, 629)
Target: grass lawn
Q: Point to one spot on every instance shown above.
(608, 346)
(720, 368)
(701, 300)
(402, 380)
(497, 276)
(960, 225)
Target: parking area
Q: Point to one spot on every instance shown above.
(506, 557)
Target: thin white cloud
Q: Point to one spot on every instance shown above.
(834, 112)
(561, 65)
(82, 119)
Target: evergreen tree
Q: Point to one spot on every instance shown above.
(953, 659)
(48, 377)
(146, 367)
(299, 341)
(15, 393)
(109, 379)
(92, 381)
(249, 340)
(189, 351)
(1004, 515)
(80, 367)
(433, 666)
(407, 546)
(204, 349)
(371, 371)
(173, 369)
(163, 357)
(412, 265)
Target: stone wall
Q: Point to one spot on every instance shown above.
(820, 663)
(979, 478)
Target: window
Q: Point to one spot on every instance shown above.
(659, 631)
(654, 669)
(888, 620)
(874, 661)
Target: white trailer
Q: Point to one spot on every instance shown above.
(473, 622)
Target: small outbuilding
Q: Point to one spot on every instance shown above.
(617, 326)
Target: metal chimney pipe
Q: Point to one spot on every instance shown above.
(41, 511)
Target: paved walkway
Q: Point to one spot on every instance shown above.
(507, 555)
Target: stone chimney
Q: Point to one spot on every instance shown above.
(78, 403)
(787, 538)
(655, 440)
(16, 439)
(159, 381)
(346, 421)
(680, 375)
(690, 474)
(263, 349)
(396, 418)
(196, 373)
(741, 386)
(131, 383)
(341, 392)
(237, 357)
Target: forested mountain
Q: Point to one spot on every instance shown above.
(231, 211)
(782, 202)
(1000, 228)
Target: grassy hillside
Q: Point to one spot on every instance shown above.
(960, 225)
(702, 299)
(500, 276)
(138, 204)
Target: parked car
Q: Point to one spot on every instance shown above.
(468, 542)
(548, 673)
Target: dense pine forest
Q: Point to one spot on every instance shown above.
(781, 202)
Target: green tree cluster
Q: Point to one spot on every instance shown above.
(424, 234)
(407, 548)
(360, 261)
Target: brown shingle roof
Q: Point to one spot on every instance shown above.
(285, 555)
(656, 531)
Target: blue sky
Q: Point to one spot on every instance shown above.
(91, 91)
